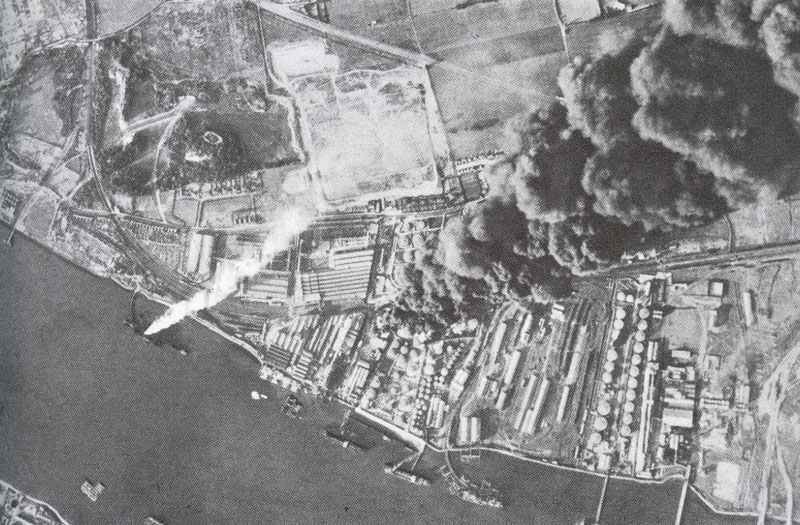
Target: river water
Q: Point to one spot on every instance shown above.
(178, 437)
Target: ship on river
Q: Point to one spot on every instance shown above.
(407, 476)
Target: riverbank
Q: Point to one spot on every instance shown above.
(179, 437)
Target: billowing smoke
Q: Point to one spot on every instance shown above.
(725, 21)
(717, 106)
(542, 176)
(284, 229)
(660, 131)
(781, 33)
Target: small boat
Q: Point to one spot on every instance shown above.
(256, 395)
(92, 490)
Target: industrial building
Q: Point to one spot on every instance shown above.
(198, 255)
(9, 204)
(265, 287)
(354, 384)
(348, 276)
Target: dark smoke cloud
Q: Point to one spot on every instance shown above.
(669, 132)
(649, 185)
(599, 97)
(717, 106)
(630, 179)
(781, 34)
(543, 176)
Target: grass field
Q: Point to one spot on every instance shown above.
(34, 111)
(114, 15)
(476, 105)
(760, 224)
(186, 210)
(205, 40)
(217, 213)
(440, 24)
(589, 38)
(33, 24)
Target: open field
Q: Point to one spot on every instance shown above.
(760, 224)
(604, 34)
(477, 103)
(32, 24)
(368, 131)
(210, 40)
(265, 138)
(441, 24)
(115, 15)
(499, 58)
(217, 213)
(40, 106)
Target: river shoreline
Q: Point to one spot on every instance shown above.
(76, 389)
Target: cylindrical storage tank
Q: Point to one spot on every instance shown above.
(638, 348)
(620, 313)
(607, 377)
(600, 423)
(629, 298)
(630, 395)
(633, 383)
(642, 325)
(609, 366)
(603, 408)
(627, 419)
(621, 296)
(634, 371)
(644, 313)
(612, 355)
(594, 439)
(625, 431)
(629, 407)
(640, 336)
(618, 324)
(636, 360)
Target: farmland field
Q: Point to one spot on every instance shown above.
(441, 24)
(37, 109)
(588, 38)
(206, 40)
(114, 15)
(35, 23)
(477, 105)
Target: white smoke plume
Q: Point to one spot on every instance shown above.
(228, 276)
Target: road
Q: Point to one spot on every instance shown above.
(147, 122)
(774, 391)
(758, 255)
(329, 31)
